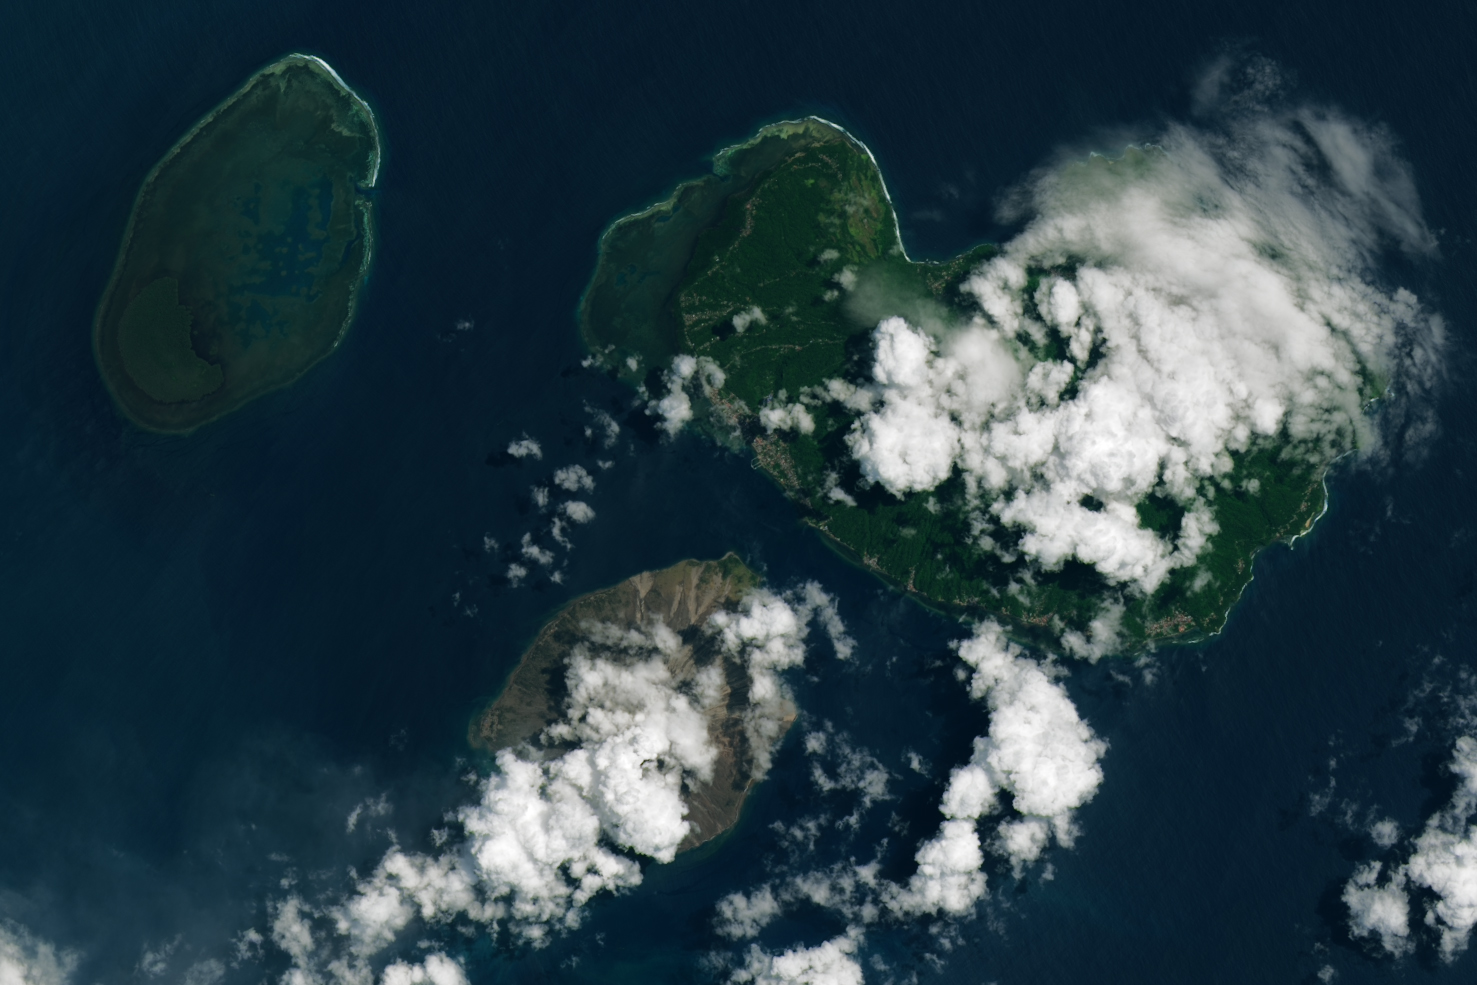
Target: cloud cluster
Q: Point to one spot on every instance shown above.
(436, 969)
(1037, 764)
(1379, 909)
(27, 960)
(574, 478)
(564, 818)
(750, 316)
(674, 410)
(1160, 315)
(525, 447)
(1442, 862)
(537, 548)
(787, 417)
(1038, 753)
(547, 832)
(743, 915)
(770, 633)
(830, 963)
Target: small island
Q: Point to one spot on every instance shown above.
(683, 597)
(245, 251)
(773, 272)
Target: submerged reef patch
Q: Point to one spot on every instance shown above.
(245, 252)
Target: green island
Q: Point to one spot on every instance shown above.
(245, 251)
(783, 218)
(683, 597)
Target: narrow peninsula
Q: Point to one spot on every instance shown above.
(683, 598)
(245, 251)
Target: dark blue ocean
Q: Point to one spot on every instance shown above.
(212, 648)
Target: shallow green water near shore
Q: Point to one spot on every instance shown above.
(245, 251)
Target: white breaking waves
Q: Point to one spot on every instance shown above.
(548, 833)
(1213, 292)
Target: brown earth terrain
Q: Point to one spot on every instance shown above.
(683, 597)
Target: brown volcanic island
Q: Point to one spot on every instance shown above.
(683, 597)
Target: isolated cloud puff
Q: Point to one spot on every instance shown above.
(574, 478)
(602, 427)
(1442, 860)
(525, 447)
(1205, 296)
(578, 511)
(750, 316)
(743, 915)
(1037, 764)
(814, 603)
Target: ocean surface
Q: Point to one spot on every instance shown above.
(212, 648)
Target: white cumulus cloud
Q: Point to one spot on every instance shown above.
(25, 959)
(1442, 860)
(579, 512)
(830, 963)
(742, 915)
(771, 633)
(674, 409)
(525, 447)
(787, 417)
(1158, 316)
(750, 316)
(1377, 910)
(436, 969)
(566, 817)
(574, 478)
(1039, 759)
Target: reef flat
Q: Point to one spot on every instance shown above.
(682, 598)
(245, 251)
(759, 289)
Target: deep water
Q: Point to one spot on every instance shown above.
(212, 648)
